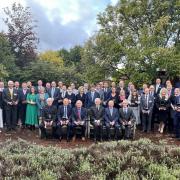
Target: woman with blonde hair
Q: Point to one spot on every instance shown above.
(163, 105)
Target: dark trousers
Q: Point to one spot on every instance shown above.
(146, 121)
(177, 123)
(59, 130)
(44, 130)
(23, 113)
(126, 131)
(116, 128)
(11, 116)
(98, 130)
(82, 127)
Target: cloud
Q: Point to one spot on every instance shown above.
(64, 23)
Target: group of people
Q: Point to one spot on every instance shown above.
(102, 106)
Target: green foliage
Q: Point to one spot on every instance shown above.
(147, 36)
(115, 160)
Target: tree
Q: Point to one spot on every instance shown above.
(51, 56)
(147, 35)
(21, 33)
(7, 58)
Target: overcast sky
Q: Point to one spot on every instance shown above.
(61, 23)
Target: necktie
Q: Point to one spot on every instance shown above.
(79, 113)
(65, 111)
(52, 92)
(146, 101)
(92, 95)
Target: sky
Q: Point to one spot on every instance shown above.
(61, 23)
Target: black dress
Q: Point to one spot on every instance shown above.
(164, 104)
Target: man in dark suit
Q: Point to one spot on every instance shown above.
(146, 106)
(106, 92)
(11, 99)
(91, 96)
(111, 119)
(63, 94)
(127, 119)
(49, 114)
(39, 86)
(64, 118)
(22, 102)
(158, 86)
(97, 118)
(122, 87)
(54, 93)
(79, 118)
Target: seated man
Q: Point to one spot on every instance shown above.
(97, 118)
(64, 117)
(127, 119)
(48, 118)
(111, 118)
(79, 117)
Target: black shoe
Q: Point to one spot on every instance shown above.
(60, 138)
(8, 129)
(68, 140)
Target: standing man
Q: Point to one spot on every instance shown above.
(158, 86)
(91, 96)
(54, 93)
(146, 106)
(23, 103)
(11, 99)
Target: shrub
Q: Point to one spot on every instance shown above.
(140, 159)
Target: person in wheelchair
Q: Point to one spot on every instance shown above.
(49, 113)
(79, 118)
(97, 118)
(127, 120)
(111, 119)
(64, 119)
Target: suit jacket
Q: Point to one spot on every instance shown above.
(157, 91)
(61, 98)
(108, 118)
(75, 114)
(143, 103)
(106, 94)
(61, 112)
(129, 116)
(22, 97)
(72, 97)
(82, 98)
(89, 101)
(1, 100)
(7, 96)
(96, 114)
(49, 112)
(56, 95)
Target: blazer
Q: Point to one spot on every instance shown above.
(49, 112)
(55, 96)
(89, 102)
(61, 112)
(108, 118)
(96, 114)
(38, 101)
(143, 103)
(129, 116)
(82, 98)
(106, 94)
(72, 97)
(7, 96)
(162, 103)
(22, 96)
(157, 91)
(75, 114)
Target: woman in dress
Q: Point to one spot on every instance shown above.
(41, 98)
(134, 101)
(31, 110)
(163, 105)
